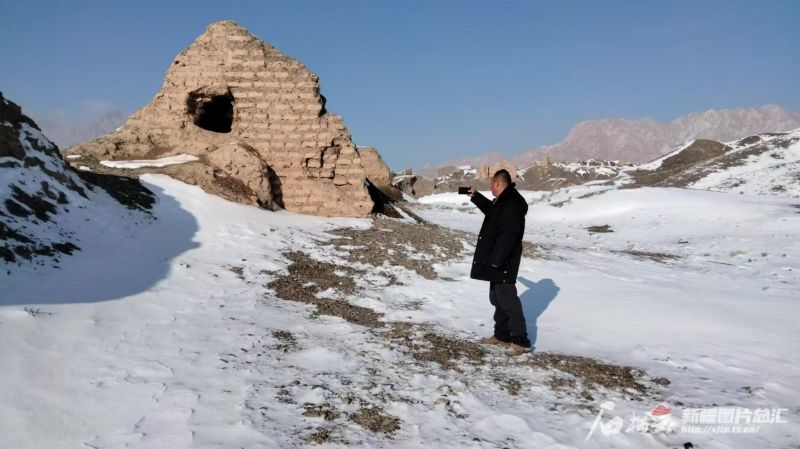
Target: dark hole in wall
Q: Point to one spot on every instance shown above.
(276, 187)
(211, 112)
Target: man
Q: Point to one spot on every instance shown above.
(497, 257)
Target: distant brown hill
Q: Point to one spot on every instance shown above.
(646, 139)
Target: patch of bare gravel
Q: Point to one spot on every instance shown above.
(415, 246)
(324, 435)
(425, 345)
(286, 341)
(238, 271)
(649, 255)
(512, 386)
(534, 251)
(323, 411)
(376, 420)
(593, 374)
(308, 277)
(600, 228)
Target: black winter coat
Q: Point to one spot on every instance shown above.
(499, 248)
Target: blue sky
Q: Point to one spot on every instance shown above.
(427, 81)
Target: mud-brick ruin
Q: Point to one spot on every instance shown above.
(257, 122)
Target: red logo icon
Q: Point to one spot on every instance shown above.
(660, 410)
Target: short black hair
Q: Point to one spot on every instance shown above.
(503, 176)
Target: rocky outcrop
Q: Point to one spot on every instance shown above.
(42, 198)
(256, 120)
(242, 162)
(549, 177)
(765, 164)
(414, 185)
(375, 168)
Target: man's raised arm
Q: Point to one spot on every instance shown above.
(483, 203)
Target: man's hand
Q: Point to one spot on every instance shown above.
(471, 191)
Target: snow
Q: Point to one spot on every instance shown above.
(608, 171)
(399, 178)
(453, 198)
(73, 156)
(153, 342)
(88, 212)
(323, 360)
(699, 317)
(163, 162)
(445, 198)
(775, 172)
(408, 198)
(133, 324)
(26, 132)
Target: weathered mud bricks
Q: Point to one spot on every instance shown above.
(487, 171)
(231, 87)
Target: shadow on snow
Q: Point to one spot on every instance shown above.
(112, 266)
(535, 300)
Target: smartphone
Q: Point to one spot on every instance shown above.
(463, 190)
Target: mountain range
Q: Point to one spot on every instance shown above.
(645, 139)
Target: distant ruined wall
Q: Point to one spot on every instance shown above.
(487, 171)
(229, 86)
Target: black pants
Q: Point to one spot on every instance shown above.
(509, 320)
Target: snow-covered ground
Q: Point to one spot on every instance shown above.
(155, 337)
(162, 162)
(773, 172)
(766, 164)
(716, 314)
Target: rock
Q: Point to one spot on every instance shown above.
(376, 170)
(253, 116)
(414, 185)
(242, 162)
(677, 170)
(42, 197)
(599, 228)
(699, 151)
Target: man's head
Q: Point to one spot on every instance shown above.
(500, 181)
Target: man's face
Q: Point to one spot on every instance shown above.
(497, 187)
